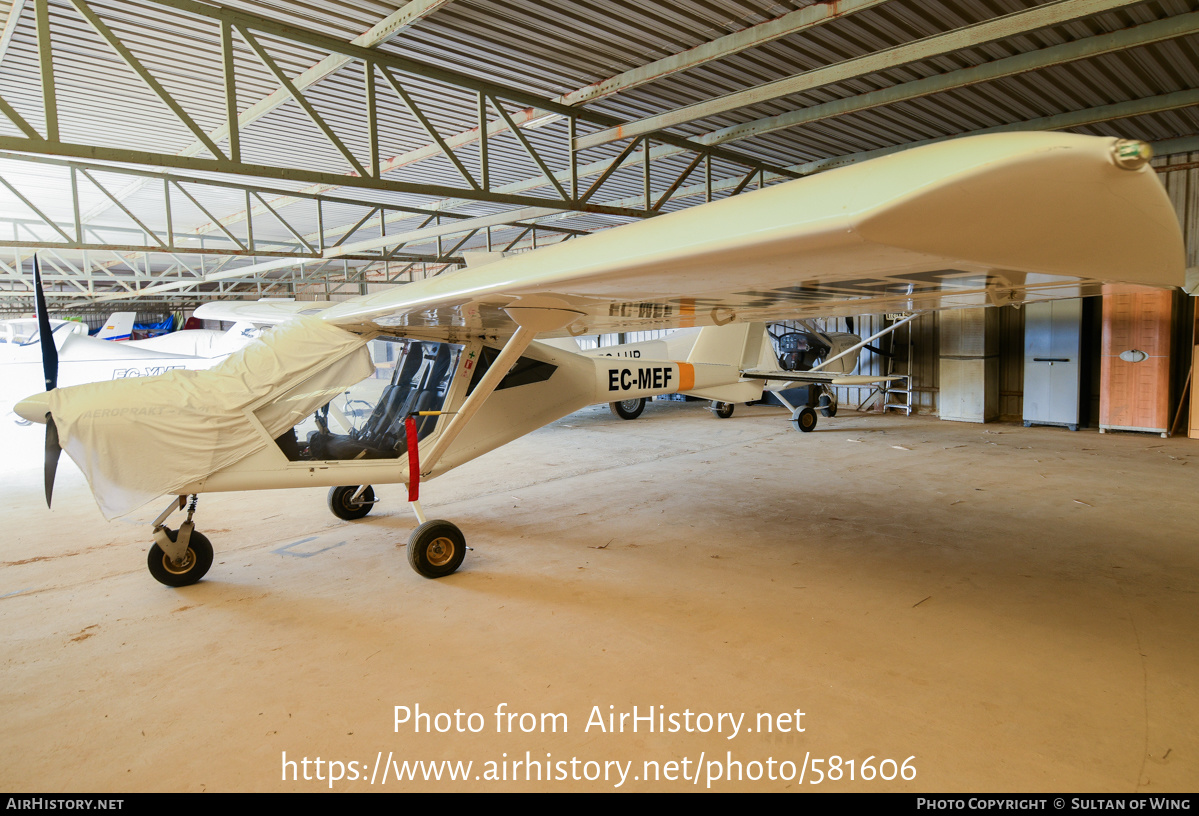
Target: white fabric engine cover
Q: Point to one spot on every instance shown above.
(137, 439)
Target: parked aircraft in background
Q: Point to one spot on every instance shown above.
(84, 359)
(808, 359)
(118, 327)
(981, 221)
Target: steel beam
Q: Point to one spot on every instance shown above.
(1145, 34)
(42, 232)
(1169, 147)
(10, 25)
(382, 31)
(784, 26)
(1089, 116)
(510, 218)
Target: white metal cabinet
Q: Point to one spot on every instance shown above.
(1052, 369)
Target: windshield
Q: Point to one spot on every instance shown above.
(367, 420)
(25, 332)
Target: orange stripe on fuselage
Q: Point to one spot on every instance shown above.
(686, 376)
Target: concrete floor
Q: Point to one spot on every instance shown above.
(1017, 609)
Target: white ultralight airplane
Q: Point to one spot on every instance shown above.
(979, 221)
(84, 359)
(818, 360)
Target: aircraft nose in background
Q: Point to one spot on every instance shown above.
(34, 408)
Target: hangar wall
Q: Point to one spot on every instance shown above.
(1182, 185)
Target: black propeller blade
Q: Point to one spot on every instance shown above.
(49, 350)
(53, 449)
(50, 370)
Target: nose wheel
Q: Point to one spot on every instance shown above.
(828, 404)
(185, 570)
(179, 558)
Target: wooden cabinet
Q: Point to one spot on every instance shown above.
(1193, 433)
(1135, 370)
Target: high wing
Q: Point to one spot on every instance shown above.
(978, 221)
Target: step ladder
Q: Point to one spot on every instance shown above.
(897, 394)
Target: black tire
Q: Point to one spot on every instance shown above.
(341, 506)
(828, 407)
(724, 410)
(804, 419)
(436, 548)
(195, 563)
(628, 409)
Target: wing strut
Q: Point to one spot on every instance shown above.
(531, 321)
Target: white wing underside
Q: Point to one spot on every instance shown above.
(970, 222)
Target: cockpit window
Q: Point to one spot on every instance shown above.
(799, 351)
(526, 371)
(367, 420)
(25, 332)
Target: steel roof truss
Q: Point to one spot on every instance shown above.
(298, 96)
(426, 125)
(251, 30)
(1008, 25)
(129, 59)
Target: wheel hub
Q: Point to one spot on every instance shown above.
(440, 551)
(180, 567)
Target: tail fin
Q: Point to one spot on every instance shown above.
(119, 326)
(742, 345)
(737, 344)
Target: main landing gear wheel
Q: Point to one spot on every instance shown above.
(724, 410)
(343, 505)
(828, 406)
(193, 567)
(436, 548)
(628, 409)
(804, 419)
